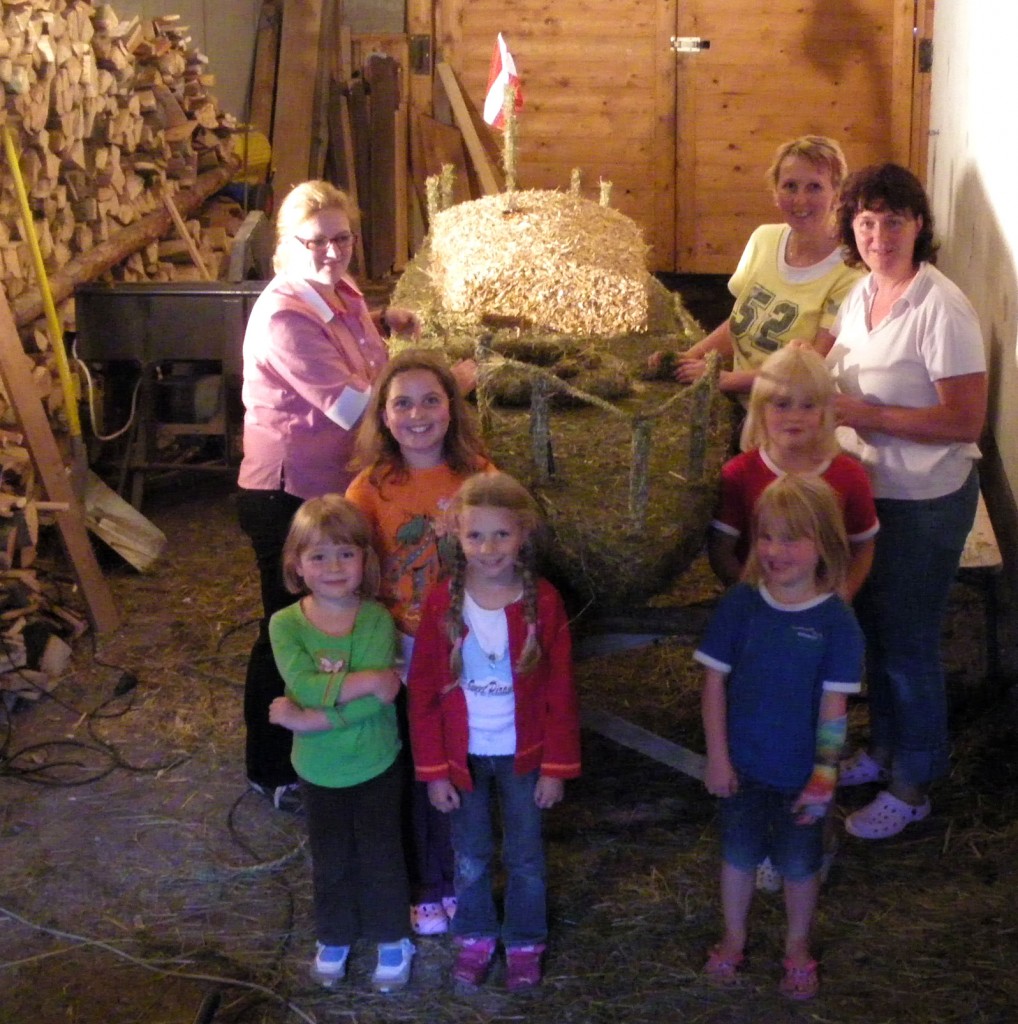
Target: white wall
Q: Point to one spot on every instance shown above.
(973, 185)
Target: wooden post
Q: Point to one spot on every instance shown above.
(486, 172)
(56, 482)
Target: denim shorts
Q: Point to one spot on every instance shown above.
(758, 822)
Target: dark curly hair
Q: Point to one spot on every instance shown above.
(886, 187)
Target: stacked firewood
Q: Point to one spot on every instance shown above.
(109, 115)
(38, 613)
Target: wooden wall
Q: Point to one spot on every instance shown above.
(686, 137)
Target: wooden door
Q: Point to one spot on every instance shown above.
(686, 138)
(599, 90)
(776, 69)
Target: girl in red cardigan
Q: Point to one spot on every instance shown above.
(493, 716)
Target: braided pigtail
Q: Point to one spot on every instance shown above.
(454, 617)
(531, 653)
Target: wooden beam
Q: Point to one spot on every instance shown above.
(295, 94)
(263, 76)
(28, 307)
(487, 173)
(56, 482)
(185, 237)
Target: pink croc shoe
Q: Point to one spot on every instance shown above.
(885, 816)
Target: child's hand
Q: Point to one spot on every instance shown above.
(443, 795)
(720, 778)
(284, 712)
(402, 321)
(813, 801)
(548, 792)
(388, 686)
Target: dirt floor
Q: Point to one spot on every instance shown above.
(139, 877)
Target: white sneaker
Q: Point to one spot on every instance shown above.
(329, 964)
(392, 971)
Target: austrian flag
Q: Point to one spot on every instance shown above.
(501, 77)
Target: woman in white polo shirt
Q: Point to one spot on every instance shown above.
(907, 352)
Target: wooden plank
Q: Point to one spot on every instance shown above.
(360, 135)
(420, 26)
(185, 237)
(263, 75)
(442, 144)
(341, 165)
(295, 93)
(56, 483)
(381, 75)
(643, 741)
(489, 177)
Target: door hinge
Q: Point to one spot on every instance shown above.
(689, 44)
(924, 55)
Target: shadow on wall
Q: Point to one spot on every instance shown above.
(979, 259)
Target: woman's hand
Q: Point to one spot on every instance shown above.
(443, 795)
(548, 792)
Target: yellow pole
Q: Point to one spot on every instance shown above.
(55, 330)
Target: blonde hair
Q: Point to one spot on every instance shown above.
(334, 519)
(304, 201)
(798, 372)
(498, 491)
(376, 448)
(819, 150)
(808, 507)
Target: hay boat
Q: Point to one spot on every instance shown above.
(550, 293)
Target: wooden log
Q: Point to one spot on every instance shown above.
(88, 266)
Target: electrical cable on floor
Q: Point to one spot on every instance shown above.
(250, 986)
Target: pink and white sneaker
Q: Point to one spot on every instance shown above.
(473, 959)
(523, 966)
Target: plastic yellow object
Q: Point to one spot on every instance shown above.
(56, 331)
(253, 146)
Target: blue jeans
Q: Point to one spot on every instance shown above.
(757, 821)
(473, 842)
(901, 610)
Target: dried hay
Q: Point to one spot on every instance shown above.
(601, 553)
(543, 279)
(545, 259)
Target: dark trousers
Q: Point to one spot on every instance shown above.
(360, 880)
(265, 517)
(426, 832)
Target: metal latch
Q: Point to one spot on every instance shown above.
(689, 44)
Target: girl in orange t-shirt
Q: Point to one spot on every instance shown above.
(416, 445)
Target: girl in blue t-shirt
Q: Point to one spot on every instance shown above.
(781, 654)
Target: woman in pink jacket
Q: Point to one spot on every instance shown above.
(312, 351)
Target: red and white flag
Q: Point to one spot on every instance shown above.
(501, 76)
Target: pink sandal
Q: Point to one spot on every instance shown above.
(723, 969)
(800, 981)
